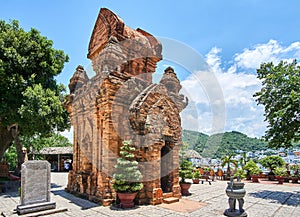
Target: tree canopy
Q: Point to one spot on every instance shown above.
(272, 162)
(280, 95)
(30, 97)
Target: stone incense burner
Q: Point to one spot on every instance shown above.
(235, 191)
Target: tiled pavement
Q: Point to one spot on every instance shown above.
(263, 200)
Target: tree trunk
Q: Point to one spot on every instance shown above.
(228, 169)
(21, 155)
(6, 140)
(20, 152)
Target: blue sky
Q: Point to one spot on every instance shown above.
(232, 36)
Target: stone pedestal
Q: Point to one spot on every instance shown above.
(36, 207)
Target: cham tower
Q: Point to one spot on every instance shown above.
(120, 102)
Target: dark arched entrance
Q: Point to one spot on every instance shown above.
(166, 165)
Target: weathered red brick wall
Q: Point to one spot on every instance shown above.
(120, 103)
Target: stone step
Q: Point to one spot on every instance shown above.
(171, 200)
(167, 195)
(47, 212)
(37, 214)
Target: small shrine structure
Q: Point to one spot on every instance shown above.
(122, 103)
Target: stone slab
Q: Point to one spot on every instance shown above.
(24, 209)
(35, 182)
(184, 205)
(47, 212)
(171, 200)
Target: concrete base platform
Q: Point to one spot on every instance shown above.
(24, 209)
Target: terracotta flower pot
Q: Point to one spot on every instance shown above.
(295, 179)
(126, 199)
(185, 188)
(254, 178)
(280, 179)
(196, 181)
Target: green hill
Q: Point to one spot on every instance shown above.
(218, 145)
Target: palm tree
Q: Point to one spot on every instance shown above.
(243, 159)
(229, 160)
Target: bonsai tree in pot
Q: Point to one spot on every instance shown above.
(255, 174)
(253, 170)
(185, 172)
(295, 173)
(280, 174)
(196, 176)
(240, 173)
(127, 176)
(272, 162)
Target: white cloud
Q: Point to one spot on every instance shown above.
(233, 87)
(269, 52)
(68, 134)
(238, 84)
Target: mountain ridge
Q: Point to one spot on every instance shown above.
(221, 144)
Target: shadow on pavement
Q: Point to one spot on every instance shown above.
(284, 198)
(84, 204)
(53, 185)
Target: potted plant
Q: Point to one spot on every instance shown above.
(272, 162)
(253, 170)
(185, 172)
(255, 174)
(127, 176)
(196, 176)
(240, 173)
(295, 178)
(280, 174)
(295, 173)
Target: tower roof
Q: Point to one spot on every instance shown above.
(110, 25)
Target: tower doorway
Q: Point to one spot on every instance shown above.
(166, 166)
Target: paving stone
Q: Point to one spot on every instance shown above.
(260, 200)
(284, 211)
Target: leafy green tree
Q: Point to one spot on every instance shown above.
(272, 162)
(11, 157)
(252, 168)
(30, 98)
(33, 144)
(280, 95)
(37, 143)
(46, 107)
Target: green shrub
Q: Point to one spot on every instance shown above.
(280, 171)
(127, 175)
(241, 173)
(252, 167)
(272, 162)
(186, 171)
(196, 174)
